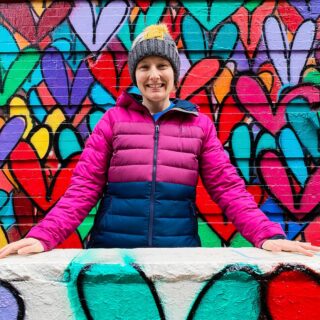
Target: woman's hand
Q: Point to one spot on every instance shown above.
(290, 246)
(23, 246)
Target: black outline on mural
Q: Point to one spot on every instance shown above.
(148, 282)
(17, 296)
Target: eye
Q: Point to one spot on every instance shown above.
(163, 66)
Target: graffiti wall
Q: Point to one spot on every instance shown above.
(233, 283)
(251, 66)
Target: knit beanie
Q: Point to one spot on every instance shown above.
(154, 40)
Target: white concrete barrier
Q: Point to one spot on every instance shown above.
(200, 283)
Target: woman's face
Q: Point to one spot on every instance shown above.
(155, 79)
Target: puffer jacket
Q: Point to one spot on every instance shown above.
(146, 173)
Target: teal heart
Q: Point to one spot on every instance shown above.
(94, 118)
(8, 46)
(38, 111)
(69, 143)
(17, 73)
(129, 31)
(305, 124)
(252, 5)
(100, 96)
(291, 148)
(109, 291)
(211, 13)
(198, 45)
(240, 142)
(6, 209)
(265, 141)
(234, 294)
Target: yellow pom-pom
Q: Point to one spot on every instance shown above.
(155, 31)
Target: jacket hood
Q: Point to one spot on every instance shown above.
(134, 101)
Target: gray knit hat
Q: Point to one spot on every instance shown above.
(155, 40)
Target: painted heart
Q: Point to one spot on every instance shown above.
(11, 302)
(67, 89)
(250, 23)
(115, 80)
(10, 135)
(131, 28)
(199, 43)
(32, 30)
(17, 73)
(211, 13)
(88, 292)
(198, 77)
(233, 286)
(143, 4)
(309, 9)
(293, 292)
(30, 176)
(306, 125)
(96, 30)
(294, 154)
(289, 59)
(311, 232)
(228, 116)
(253, 97)
(276, 176)
(289, 15)
(241, 142)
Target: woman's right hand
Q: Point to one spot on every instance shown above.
(23, 246)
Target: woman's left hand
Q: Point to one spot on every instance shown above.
(290, 246)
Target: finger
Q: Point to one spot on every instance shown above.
(34, 248)
(14, 247)
(309, 246)
(296, 247)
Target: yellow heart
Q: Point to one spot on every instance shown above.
(267, 79)
(18, 107)
(222, 85)
(2, 122)
(3, 238)
(54, 119)
(41, 141)
(40, 6)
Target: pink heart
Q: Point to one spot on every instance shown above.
(276, 177)
(253, 96)
(31, 30)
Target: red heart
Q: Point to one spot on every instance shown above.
(113, 80)
(197, 77)
(250, 25)
(73, 241)
(31, 30)
(143, 4)
(311, 232)
(229, 115)
(172, 18)
(275, 175)
(30, 175)
(289, 15)
(294, 294)
(211, 213)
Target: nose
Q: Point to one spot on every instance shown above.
(154, 74)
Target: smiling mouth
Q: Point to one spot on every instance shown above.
(155, 86)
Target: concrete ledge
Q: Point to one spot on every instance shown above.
(200, 283)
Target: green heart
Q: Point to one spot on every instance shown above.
(251, 5)
(313, 76)
(152, 16)
(211, 13)
(69, 143)
(18, 72)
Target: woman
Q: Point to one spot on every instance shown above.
(143, 158)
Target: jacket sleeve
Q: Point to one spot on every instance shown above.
(227, 189)
(86, 187)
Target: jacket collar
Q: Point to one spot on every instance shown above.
(133, 101)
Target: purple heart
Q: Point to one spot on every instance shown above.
(10, 136)
(11, 305)
(96, 30)
(69, 94)
(309, 9)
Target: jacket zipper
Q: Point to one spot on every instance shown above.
(153, 185)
